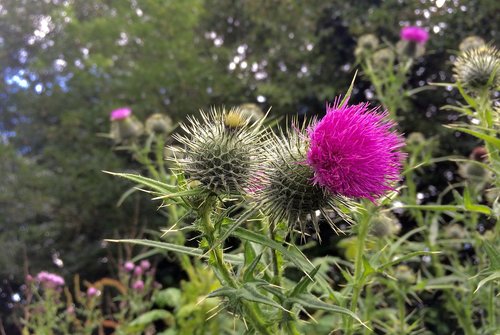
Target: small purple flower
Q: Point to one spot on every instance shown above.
(414, 34)
(138, 285)
(354, 152)
(145, 265)
(128, 266)
(120, 114)
(50, 280)
(92, 291)
(138, 271)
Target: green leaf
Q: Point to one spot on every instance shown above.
(440, 208)
(304, 283)
(235, 259)
(495, 275)
(170, 297)
(474, 207)
(154, 185)
(349, 90)
(149, 317)
(493, 256)
(314, 303)
(248, 272)
(406, 257)
(487, 138)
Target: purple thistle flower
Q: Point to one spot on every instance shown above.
(120, 114)
(50, 280)
(138, 285)
(414, 34)
(354, 152)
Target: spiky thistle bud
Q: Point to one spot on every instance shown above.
(221, 151)
(471, 42)
(383, 58)
(252, 111)
(384, 224)
(289, 193)
(478, 68)
(366, 45)
(159, 124)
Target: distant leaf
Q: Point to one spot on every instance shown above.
(154, 185)
(493, 256)
(495, 275)
(487, 138)
(150, 317)
(178, 248)
(474, 207)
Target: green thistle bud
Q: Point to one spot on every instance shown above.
(289, 194)
(415, 139)
(252, 112)
(127, 129)
(367, 44)
(383, 58)
(221, 151)
(471, 42)
(385, 224)
(159, 124)
(479, 68)
(405, 274)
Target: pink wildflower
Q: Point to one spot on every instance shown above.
(138, 271)
(414, 34)
(120, 114)
(354, 152)
(128, 266)
(138, 285)
(50, 280)
(145, 265)
(92, 291)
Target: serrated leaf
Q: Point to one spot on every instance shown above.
(248, 272)
(304, 283)
(313, 302)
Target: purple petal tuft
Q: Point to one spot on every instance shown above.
(354, 152)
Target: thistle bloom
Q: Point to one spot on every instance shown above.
(128, 266)
(354, 152)
(145, 265)
(138, 285)
(138, 271)
(478, 68)
(414, 34)
(120, 114)
(50, 280)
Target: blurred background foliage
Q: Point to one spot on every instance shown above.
(66, 63)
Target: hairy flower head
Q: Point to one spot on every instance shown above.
(159, 124)
(414, 34)
(50, 280)
(353, 151)
(478, 68)
(124, 126)
(221, 151)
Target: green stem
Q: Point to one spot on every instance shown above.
(363, 226)
(274, 256)
(252, 313)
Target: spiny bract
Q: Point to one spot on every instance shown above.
(221, 151)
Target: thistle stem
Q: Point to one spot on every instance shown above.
(252, 314)
(358, 267)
